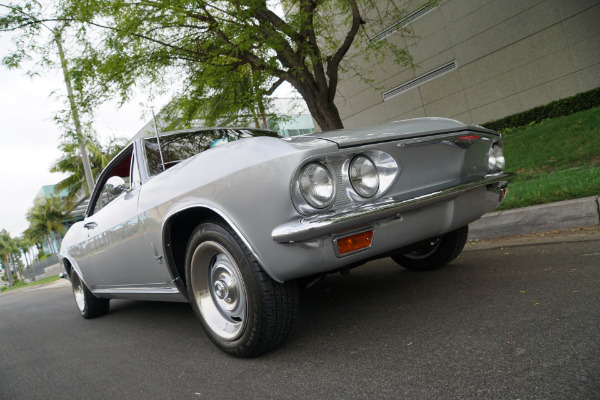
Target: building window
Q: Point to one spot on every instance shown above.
(413, 16)
(419, 80)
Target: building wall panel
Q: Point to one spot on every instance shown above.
(511, 55)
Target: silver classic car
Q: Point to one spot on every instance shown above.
(233, 220)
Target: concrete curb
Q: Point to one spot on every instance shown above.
(545, 217)
(49, 271)
(57, 283)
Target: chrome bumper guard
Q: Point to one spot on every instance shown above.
(320, 225)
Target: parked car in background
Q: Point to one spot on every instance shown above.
(231, 219)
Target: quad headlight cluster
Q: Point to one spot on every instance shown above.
(496, 160)
(317, 185)
(364, 176)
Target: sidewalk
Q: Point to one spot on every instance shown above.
(541, 218)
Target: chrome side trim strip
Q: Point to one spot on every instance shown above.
(320, 225)
(136, 290)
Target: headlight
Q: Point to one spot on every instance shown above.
(496, 158)
(364, 176)
(316, 185)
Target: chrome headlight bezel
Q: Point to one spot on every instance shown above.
(307, 180)
(356, 176)
(344, 194)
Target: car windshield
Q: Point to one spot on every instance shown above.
(177, 147)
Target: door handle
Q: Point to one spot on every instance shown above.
(90, 225)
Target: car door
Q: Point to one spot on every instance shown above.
(120, 256)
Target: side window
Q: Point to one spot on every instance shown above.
(122, 169)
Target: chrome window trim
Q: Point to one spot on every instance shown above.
(99, 184)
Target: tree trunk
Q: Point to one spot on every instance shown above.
(325, 113)
(26, 257)
(87, 169)
(50, 243)
(321, 107)
(261, 109)
(17, 267)
(7, 272)
(255, 118)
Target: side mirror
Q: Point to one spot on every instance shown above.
(115, 185)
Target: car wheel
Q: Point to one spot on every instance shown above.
(434, 253)
(89, 305)
(241, 308)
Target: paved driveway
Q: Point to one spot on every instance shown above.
(510, 322)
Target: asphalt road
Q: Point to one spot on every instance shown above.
(511, 322)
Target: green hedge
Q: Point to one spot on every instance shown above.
(580, 102)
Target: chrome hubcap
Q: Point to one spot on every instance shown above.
(226, 288)
(78, 292)
(219, 290)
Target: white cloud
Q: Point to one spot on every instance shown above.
(29, 137)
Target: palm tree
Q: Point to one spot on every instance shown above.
(37, 235)
(8, 248)
(70, 162)
(45, 220)
(24, 244)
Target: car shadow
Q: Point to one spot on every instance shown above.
(375, 299)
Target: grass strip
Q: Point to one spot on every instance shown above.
(554, 160)
(22, 284)
(557, 186)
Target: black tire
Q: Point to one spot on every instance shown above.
(88, 305)
(435, 252)
(244, 312)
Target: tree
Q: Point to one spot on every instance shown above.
(236, 98)
(45, 221)
(70, 163)
(8, 248)
(197, 42)
(24, 244)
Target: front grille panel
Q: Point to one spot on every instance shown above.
(341, 198)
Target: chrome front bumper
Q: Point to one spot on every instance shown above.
(325, 224)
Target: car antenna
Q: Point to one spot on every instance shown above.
(162, 161)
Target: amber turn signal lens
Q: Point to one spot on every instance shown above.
(355, 242)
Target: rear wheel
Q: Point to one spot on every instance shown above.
(89, 305)
(434, 253)
(243, 311)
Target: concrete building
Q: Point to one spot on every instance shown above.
(479, 60)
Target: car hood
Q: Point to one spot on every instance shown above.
(404, 129)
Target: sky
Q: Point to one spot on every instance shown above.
(29, 137)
